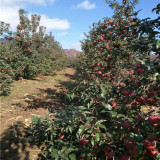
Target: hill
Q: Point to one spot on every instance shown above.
(72, 53)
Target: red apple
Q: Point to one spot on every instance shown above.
(129, 144)
(61, 136)
(138, 117)
(154, 119)
(96, 127)
(151, 100)
(126, 124)
(110, 154)
(102, 39)
(106, 25)
(151, 94)
(141, 100)
(139, 71)
(152, 153)
(106, 149)
(83, 141)
(124, 157)
(136, 130)
(114, 104)
(148, 144)
(134, 151)
(127, 92)
(106, 47)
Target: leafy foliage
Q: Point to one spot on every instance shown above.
(28, 52)
(117, 82)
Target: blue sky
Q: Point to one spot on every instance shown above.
(67, 19)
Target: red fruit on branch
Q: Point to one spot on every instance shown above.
(106, 25)
(148, 144)
(141, 100)
(61, 136)
(10, 38)
(2, 70)
(126, 124)
(124, 157)
(151, 94)
(110, 154)
(116, 24)
(96, 127)
(121, 84)
(129, 144)
(139, 71)
(107, 149)
(138, 117)
(154, 119)
(81, 157)
(17, 37)
(106, 47)
(99, 72)
(102, 39)
(136, 129)
(155, 137)
(152, 153)
(83, 141)
(114, 104)
(127, 92)
(133, 94)
(151, 100)
(134, 151)
(110, 21)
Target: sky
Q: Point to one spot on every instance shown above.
(68, 20)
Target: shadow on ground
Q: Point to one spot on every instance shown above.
(52, 99)
(18, 144)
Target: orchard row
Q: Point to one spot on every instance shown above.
(28, 52)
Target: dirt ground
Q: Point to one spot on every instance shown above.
(28, 98)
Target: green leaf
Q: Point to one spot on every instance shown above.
(131, 119)
(92, 142)
(158, 44)
(101, 126)
(98, 135)
(72, 156)
(54, 153)
(99, 122)
(71, 128)
(107, 106)
(120, 115)
(81, 130)
(114, 114)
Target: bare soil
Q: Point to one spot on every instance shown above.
(28, 98)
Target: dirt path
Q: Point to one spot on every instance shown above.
(29, 98)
